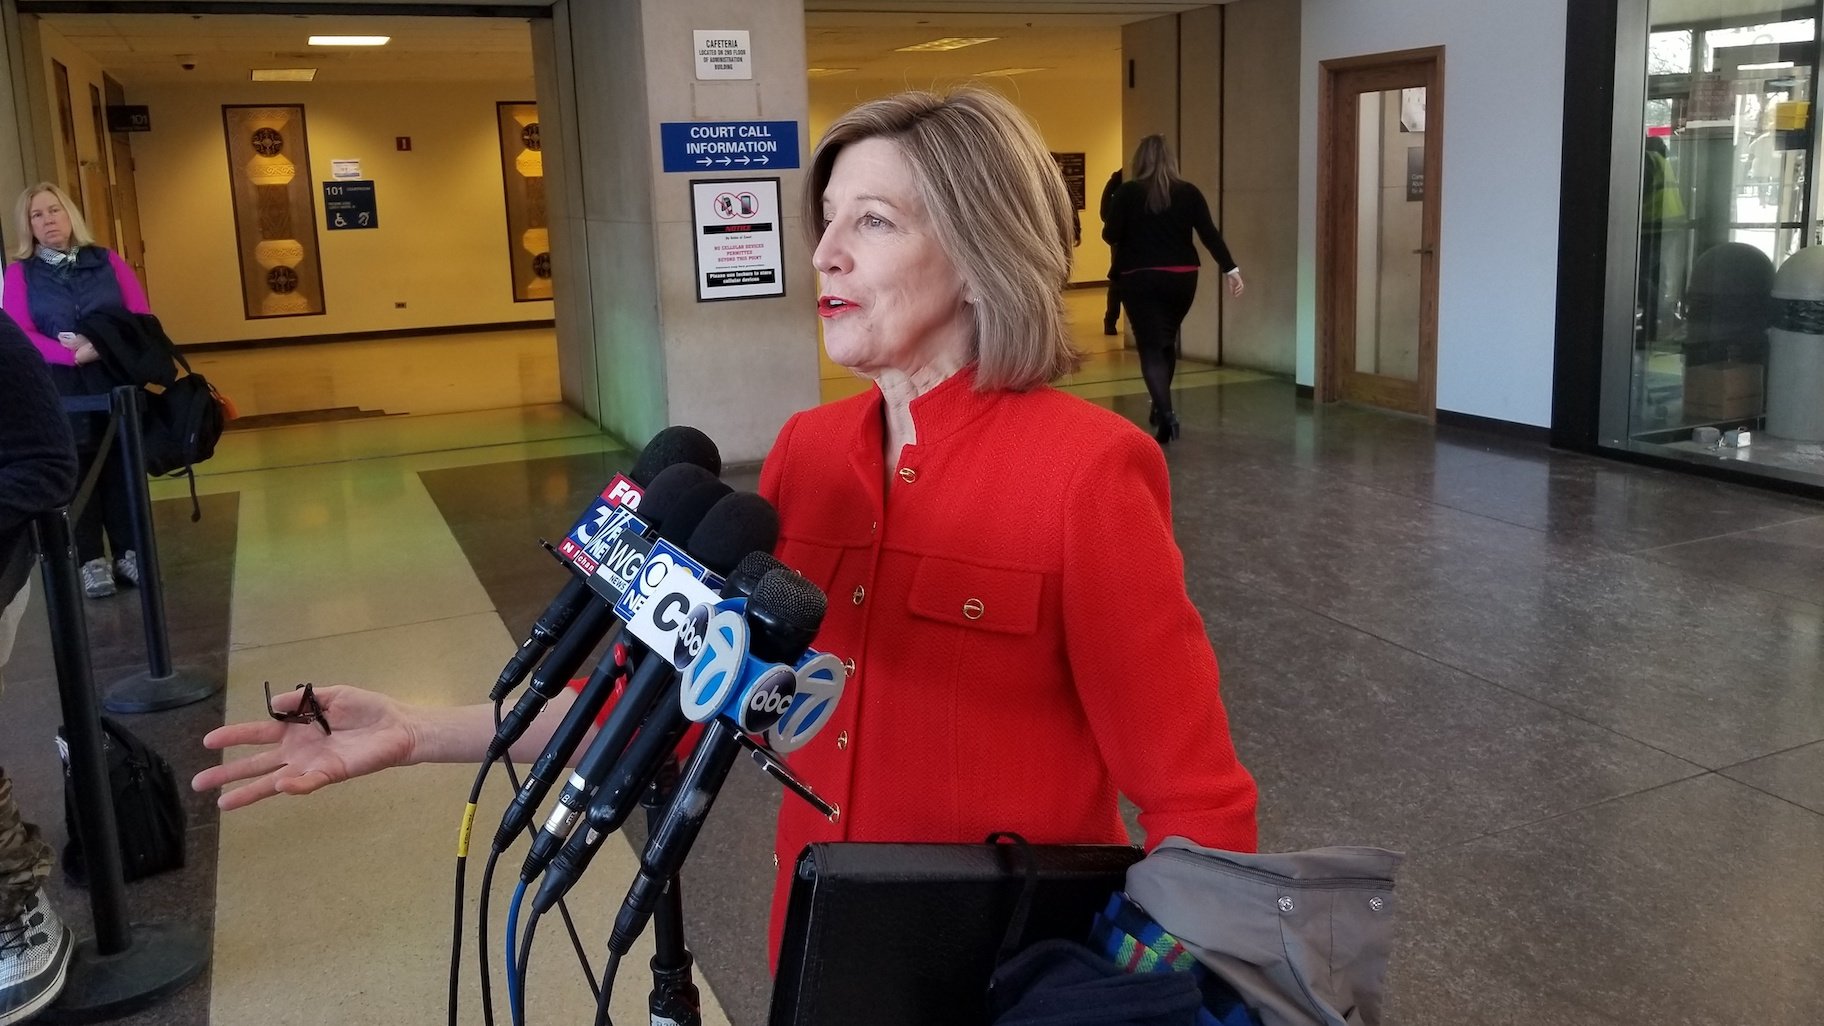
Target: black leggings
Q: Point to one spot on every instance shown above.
(1156, 303)
(107, 508)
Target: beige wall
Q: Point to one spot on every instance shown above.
(1222, 85)
(84, 71)
(1258, 211)
(441, 247)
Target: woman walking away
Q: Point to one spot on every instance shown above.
(1150, 222)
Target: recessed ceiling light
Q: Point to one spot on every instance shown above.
(947, 43)
(284, 74)
(1010, 71)
(827, 72)
(350, 40)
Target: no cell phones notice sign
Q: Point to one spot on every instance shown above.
(739, 252)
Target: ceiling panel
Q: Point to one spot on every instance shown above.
(1068, 39)
(146, 49)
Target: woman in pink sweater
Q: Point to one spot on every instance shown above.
(57, 278)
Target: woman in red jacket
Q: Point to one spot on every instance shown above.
(999, 558)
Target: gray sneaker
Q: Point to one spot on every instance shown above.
(34, 957)
(97, 579)
(126, 569)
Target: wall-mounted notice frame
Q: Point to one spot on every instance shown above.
(522, 171)
(275, 216)
(736, 226)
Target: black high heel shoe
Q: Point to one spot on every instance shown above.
(1152, 414)
(1168, 428)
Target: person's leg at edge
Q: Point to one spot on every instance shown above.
(35, 945)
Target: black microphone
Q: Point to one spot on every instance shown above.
(783, 618)
(709, 525)
(741, 521)
(674, 445)
(680, 497)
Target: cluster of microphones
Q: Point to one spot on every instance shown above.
(674, 569)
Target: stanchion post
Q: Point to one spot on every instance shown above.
(82, 729)
(126, 966)
(161, 686)
(125, 402)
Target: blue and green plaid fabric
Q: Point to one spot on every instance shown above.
(1125, 935)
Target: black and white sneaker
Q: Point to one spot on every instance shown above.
(97, 578)
(34, 957)
(126, 569)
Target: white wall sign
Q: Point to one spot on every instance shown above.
(345, 170)
(739, 252)
(723, 53)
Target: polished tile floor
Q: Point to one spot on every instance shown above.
(1586, 698)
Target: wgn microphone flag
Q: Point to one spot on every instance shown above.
(670, 447)
(739, 523)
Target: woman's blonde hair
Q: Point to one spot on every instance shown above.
(999, 209)
(1156, 169)
(27, 244)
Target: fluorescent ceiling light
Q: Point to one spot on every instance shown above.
(947, 43)
(1775, 66)
(827, 72)
(1009, 71)
(350, 40)
(284, 74)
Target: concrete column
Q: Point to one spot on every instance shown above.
(20, 84)
(637, 350)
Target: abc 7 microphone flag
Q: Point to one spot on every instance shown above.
(788, 704)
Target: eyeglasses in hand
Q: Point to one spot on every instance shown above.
(309, 710)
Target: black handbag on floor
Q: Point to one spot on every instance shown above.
(148, 814)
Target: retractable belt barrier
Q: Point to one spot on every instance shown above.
(161, 686)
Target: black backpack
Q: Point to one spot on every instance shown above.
(181, 427)
(148, 814)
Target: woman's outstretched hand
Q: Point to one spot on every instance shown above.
(371, 732)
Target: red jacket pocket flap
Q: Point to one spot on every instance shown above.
(983, 597)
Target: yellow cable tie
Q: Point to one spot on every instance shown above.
(468, 826)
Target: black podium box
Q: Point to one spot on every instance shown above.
(907, 934)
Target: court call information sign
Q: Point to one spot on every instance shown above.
(739, 251)
(723, 53)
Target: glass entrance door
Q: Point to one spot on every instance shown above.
(1728, 196)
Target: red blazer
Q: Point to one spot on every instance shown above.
(1015, 609)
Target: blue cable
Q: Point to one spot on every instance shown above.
(512, 937)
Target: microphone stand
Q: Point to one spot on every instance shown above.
(674, 1000)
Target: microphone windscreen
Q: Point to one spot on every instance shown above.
(740, 524)
(667, 488)
(748, 572)
(674, 445)
(787, 598)
(690, 510)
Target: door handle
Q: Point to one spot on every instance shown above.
(1424, 251)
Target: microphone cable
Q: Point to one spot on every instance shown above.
(487, 879)
(576, 940)
(516, 980)
(609, 972)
